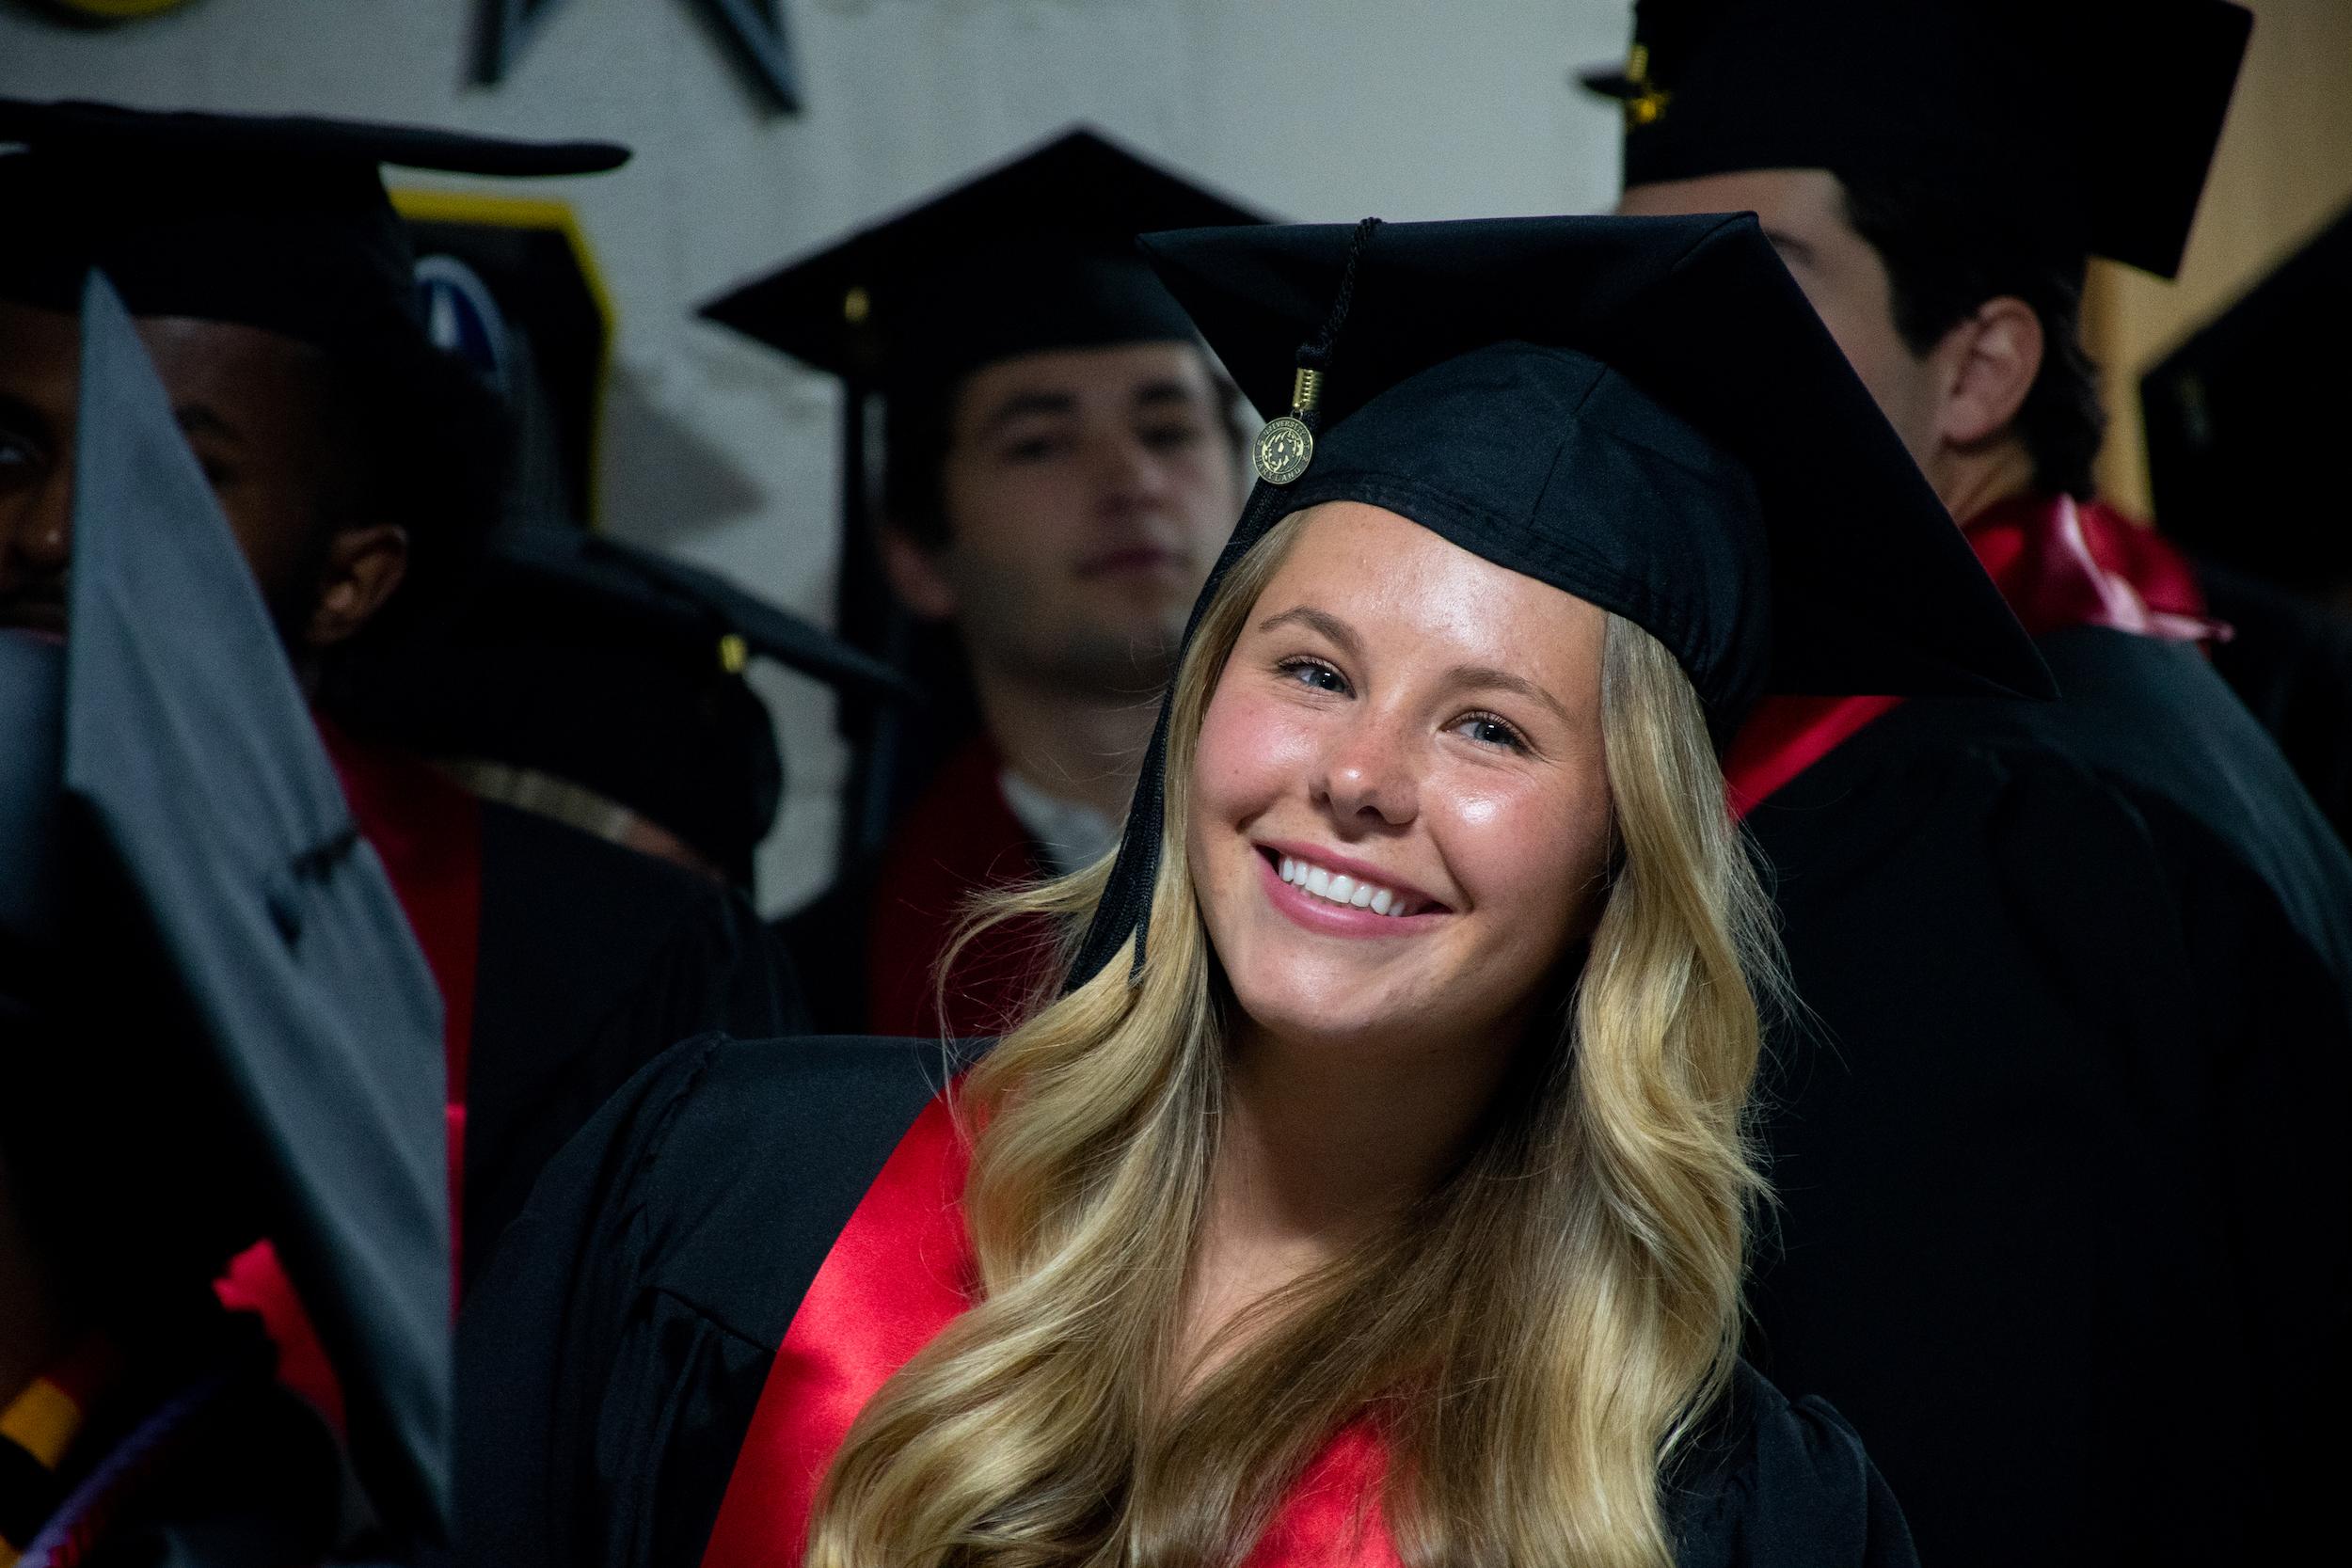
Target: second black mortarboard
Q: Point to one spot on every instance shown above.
(2089, 124)
(1037, 253)
(1642, 412)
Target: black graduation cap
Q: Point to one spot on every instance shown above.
(1644, 412)
(615, 670)
(1037, 253)
(2245, 423)
(189, 751)
(273, 221)
(2090, 122)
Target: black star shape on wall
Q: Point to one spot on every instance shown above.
(755, 27)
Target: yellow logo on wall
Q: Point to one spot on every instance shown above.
(113, 10)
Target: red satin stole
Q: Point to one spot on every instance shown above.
(900, 1271)
(428, 833)
(2059, 562)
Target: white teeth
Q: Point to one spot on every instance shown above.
(1338, 887)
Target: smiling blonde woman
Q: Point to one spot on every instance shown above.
(1373, 1190)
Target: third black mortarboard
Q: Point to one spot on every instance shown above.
(1643, 412)
(613, 670)
(2088, 123)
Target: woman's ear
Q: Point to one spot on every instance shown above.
(1986, 366)
(363, 565)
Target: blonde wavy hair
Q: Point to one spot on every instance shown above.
(1535, 1338)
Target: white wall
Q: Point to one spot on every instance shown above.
(1318, 109)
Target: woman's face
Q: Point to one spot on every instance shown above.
(1400, 814)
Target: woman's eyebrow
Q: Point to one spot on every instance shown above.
(1321, 621)
(1489, 678)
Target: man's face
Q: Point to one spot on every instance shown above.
(253, 405)
(1087, 493)
(1803, 214)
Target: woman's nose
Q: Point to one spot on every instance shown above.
(1367, 776)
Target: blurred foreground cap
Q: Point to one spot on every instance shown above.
(190, 751)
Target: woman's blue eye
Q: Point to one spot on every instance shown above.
(1315, 675)
(1487, 730)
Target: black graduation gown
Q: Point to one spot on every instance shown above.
(2056, 1227)
(611, 1358)
(591, 960)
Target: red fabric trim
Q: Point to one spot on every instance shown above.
(428, 833)
(960, 840)
(900, 1271)
(2059, 562)
(256, 1282)
(1788, 734)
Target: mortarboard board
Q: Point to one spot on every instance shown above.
(1037, 253)
(189, 752)
(1643, 412)
(1034, 254)
(613, 670)
(278, 222)
(2090, 123)
(2245, 420)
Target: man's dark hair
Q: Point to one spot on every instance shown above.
(428, 446)
(1945, 259)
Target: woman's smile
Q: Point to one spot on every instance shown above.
(1326, 892)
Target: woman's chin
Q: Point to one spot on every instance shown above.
(1339, 1019)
